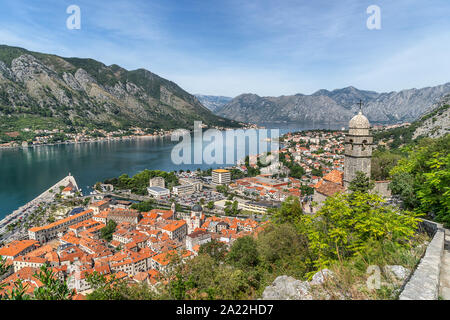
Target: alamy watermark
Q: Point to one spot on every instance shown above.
(374, 20)
(374, 279)
(225, 147)
(74, 20)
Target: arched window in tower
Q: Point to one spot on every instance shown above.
(351, 144)
(364, 143)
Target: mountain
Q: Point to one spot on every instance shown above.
(436, 122)
(348, 97)
(213, 103)
(335, 106)
(256, 109)
(37, 88)
(433, 123)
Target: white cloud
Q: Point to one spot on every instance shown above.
(422, 64)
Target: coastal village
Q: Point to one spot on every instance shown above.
(27, 137)
(143, 245)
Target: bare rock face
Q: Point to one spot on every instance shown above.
(70, 80)
(27, 67)
(83, 78)
(5, 72)
(397, 271)
(213, 103)
(437, 123)
(133, 89)
(287, 288)
(321, 276)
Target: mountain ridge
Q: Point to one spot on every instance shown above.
(386, 107)
(83, 92)
(213, 103)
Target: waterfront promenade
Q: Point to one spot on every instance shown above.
(21, 213)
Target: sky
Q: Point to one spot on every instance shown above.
(230, 47)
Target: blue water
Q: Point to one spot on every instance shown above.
(25, 173)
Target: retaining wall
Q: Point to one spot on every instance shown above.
(424, 282)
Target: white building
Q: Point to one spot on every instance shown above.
(158, 192)
(183, 189)
(221, 176)
(157, 182)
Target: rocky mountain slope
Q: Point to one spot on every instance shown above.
(433, 123)
(213, 103)
(335, 106)
(436, 122)
(87, 93)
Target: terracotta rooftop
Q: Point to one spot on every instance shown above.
(335, 176)
(329, 188)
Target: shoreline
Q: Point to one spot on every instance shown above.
(103, 139)
(88, 141)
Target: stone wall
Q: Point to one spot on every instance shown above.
(424, 282)
(381, 187)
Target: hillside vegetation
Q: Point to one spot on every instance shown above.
(43, 91)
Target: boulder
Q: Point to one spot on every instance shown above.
(320, 276)
(397, 271)
(287, 288)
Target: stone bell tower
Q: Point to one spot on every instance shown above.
(358, 148)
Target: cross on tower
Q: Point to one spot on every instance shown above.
(360, 106)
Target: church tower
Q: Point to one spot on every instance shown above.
(358, 148)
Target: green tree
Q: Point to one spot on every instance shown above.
(143, 206)
(243, 253)
(361, 183)
(382, 163)
(283, 250)
(53, 288)
(215, 249)
(402, 185)
(297, 171)
(3, 266)
(351, 224)
(107, 232)
(18, 292)
(290, 212)
(429, 165)
(210, 205)
(222, 189)
(317, 172)
(104, 288)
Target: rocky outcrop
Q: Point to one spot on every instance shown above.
(27, 67)
(398, 272)
(321, 276)
(287, 288)
(436, 122)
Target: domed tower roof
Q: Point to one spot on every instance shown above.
(359, 122)
(359, 125)
(197, 208)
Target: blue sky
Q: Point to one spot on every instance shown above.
(229, 47)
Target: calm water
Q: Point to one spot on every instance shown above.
(25, 173)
